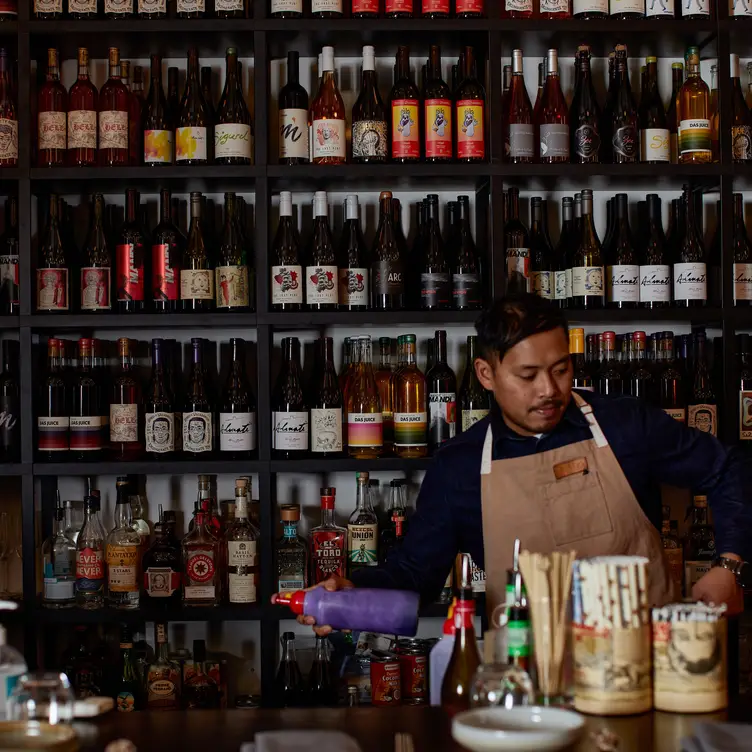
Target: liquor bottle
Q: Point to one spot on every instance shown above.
(473, 399)
(369, 126)
(122, 554)
(322, 683)
(625, 10)
(610, 380)
(677, 79)
(291, 553)
(52, 108)
(742, 256)
(86, 417)
(114, 108)
(410, 418)
(90, 571)
(519, 131)
(8, 114)
(541, 252)
(622, 261)
(404, 101)
(690, 270)
(196, 274)
(587, 262)
(53, 416)
(328, 543)
(162, 565)
(693, 115)
(585, 115)
(192, 127)
(128, 689)
(326, 403)
(437, 112)
(10, 407)
(9, 254)
(741, 119)
(96, 264)
(655, 269)
(671, 396)
(158, 126)
(191, 8)
(293, 116)
(163, 680)
(744, 353)
(699, 545)
(553, 118)
(362, 528)
(198, 415)
(702, 407)
(442, 396)
(241, 541)
(58, 565)
(289, 408)
(435, 272)
(237, 415)
(329, 145)
(365, 438)
(232, 270)
(201, 558)
(393, 534)
(288, 683)
(655, 136)
(624, 130)
(467, 290)
(200, 689)
(353, 262)
(168, 245)
(385, 387)
(159, 418)
(517, 244)
(126, 415)
(470, 108)
(233, 138)
(387, 261)
(130, 258)
(286, 269)
(641, 381)
(321, 265)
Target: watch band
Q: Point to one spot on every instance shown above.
(733, 566)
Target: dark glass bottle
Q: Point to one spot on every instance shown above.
(584, 114)
(53, 419)
(325, 403)
(9, 290)
(517, 245)
(96, 264)
(655, 266)
(744, 355)
(290, 426)
(608, 111)
(677, 79)
(742, 256)
(168, 246)
(541, 252)
(288, 684)
(8, 113)
(568, 240)
(587, 261)
(387, 259)
(655, 139)
(286, 271)
(233, 137)
(159, 407)
(622, 262)
(206, 90)
(690, 269)
(321, 265)
(152, 8)
(198, 415)
(581, 377)
(173, 97)
(230, 8)
(369, 126)
(53, 291)
(624, 119)
(193, 125)
(237, 410)
(196, 273)
(231, 273)
(293, 117)
(609, 376)
(191, 8)
(437, 112)
(442, 396)
(470, 111)
(474, 401)
(130, 263)
(435, 277)
(353, 261)
(404, 102)
(162, 565)
(322, 688)
(10, 404)
(126, 408)
(86, 424)
(467, 289)
(158, 124)
(702, 407)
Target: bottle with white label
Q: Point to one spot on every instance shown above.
(198, 410)
(230, 8)
(126, 415)
(742, 256)
(694, 142)
(587, 9)
(702, 405)
(328, 117)
(740, 9)
(237, 411)
(191, 8)
(690, 270)
(326, 403)
(519, 146)
(553, 116)
(233, 137)
(517, 244)
(47, 10)
(119, 8)
(321, 282)
(741, 119)
(541, 253)
(655, 264)
(697, 10)
(587, 261)
(286, 272)
(660, 9)
(622, 264)
(286, 8)
(196, 273)
(241, 554)
(655, 141)
(159, 407)
(293, 116)
(744, 365)
(353, 264)
(192, 129)
(290, 416)
(568, 239)
(326, 8)
(624, 10)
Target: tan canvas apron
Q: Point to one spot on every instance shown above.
(593, 512)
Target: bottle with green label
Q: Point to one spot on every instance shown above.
(693, 115)
(362, 529)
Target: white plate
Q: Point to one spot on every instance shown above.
(521, 729)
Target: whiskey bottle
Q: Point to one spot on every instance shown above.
(362, 528)
(201, 558)
(326, 403)
(122, 554)
(291, 553)
(699, 546)
(90, 565)
(159, 418)
(410, 417)
(241, 541)
(163, 680)
(237, 413)
(328, 543)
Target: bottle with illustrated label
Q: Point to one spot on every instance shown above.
(541, 252)
(113, 118)
(744, 370)
(237, 412)
(162, 566)
(232, 282)
(655, 140)
(291, 553)
(198, 411)
(590, 9)
(52, 282)
(191, 8)
(622, 262)
(59, 565)
(473, 400)
(241, 543)
(87, 409)
(568, 240)
(152, 8)
(286, 8)
(362, 529)
(585, 115)
(442, 396)
(233, 137)
(699, 545)
(624, 130)
(369, 126)
(159, 408)
(467, 288)
(90, 563)
(404, 103)
(289, 409)
(287, 288)
(328, 126)
(196, 274)
(168, 246)
(326, 403)
(387, 261)
(329, 541)
(690, 270)
(230, 8)
(384, 377)
(293, 116)
(162, 677)
(53, 415)
(607, 113)
(435, 272)
(46, 10)
(119, 8)
(321, 278)
(693, 114)
(697, 10)
(437, 112)
(193, 125)
(519, 135)
(587, 261)
(96, 264)
(52, 108)
(470, 110)
(741, 118)
(517, 245)
(742, 256)
(126, 408)
(82, 116)
(158, 124)
(130, 258)
(702, 407)
(353, 261)
(201, 559)
(663, 9)
(122, 554)
(555, 9)
(518, 9)
(365, 421)
(410, 414)
(655, 264)
(553, 117)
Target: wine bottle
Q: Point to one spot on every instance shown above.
(289, 408)
(173, 97)
(437, 111)
(196, 274)
(624, 120)
(96, 263)
(587, 261)
(136, 105)
(82, 116)
(741, 119)
(233, 139)
(655, 269)
(690, 270)
(369, 130)
(9, 251)
(230, 8)
(655, 139)
(198, 415)
(353, 261)
(399, 8)
(469, 8)
(435, 8)
(698, 10)
(387, 259)
(237, 412)
(328, 116)
(626, 10)
(10, 403)
(563, 264)
(585, 114)
(663, 9)
(8, 114)
(473, 399)
(517, 245)
(693, 115)
(555, 9)
(553, 118)
(326, 403)
(677, 79)
(152, 8)
(541, 253)
(293, 117)
(581, 378)
(467, 290)
(365, 8)
(326, 8)
(192, 131)
(702, 405)
(470, 108)
(435, 276)
(130, 258)
(158, 124)
(742, 256)
(126, 408)
(232, 265)
(442, 396)
(52, 270)
(518, 8)
(363, 406)
(405, 104)
(52, 106)
(159, 407)
(622, 263)
(166, 252)
(118, 8)
(286, 8)
(114, 99)
(46, 10)
(53, 419)
(321, 265)
(410, 414)
(519, 132)
(191, 8)
(286, 270)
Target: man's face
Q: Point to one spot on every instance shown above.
(533, 383)
(196, 431)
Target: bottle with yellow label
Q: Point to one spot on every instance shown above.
(122, 554)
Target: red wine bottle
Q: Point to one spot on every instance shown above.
(130, 275)
(293, 117)
(166, 254)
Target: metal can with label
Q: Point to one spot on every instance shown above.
(413, 657)
(386, 689)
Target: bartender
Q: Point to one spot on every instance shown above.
(560, 469)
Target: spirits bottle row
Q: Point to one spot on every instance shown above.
(133, 270)
(125, 569)
(54, 10)
(440, 272)
(435, 124)
(121, 125)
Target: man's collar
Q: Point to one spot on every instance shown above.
(572, 415)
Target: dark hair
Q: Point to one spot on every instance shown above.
(509, 320)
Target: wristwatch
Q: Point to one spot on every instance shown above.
(740, 569)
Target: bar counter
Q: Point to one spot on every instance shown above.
(373, 728)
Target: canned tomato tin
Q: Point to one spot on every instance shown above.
(413, 657)
(385, 679)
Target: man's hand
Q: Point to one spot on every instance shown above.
(332, 584)
(719, 586)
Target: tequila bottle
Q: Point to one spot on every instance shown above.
(241, 539)
(59, 556)
(162, 676)
(362, 528)
(292, 558)
(328, 543)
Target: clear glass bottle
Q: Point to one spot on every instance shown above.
(201, 557)
(365, 439)
(241, 553)
(410, 415)
(163, 679)
(140, 525)
(362, 528)
(328, 118)
(58, 562)
(693, 115)
(328, 543)
(384, 377)
(122, 554)
(90, 568)
(291, 552)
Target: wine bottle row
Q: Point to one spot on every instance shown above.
(54, 10)
(117, 126)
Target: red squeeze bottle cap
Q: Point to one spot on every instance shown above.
(294, 600)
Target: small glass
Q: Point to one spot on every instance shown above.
(552, 653)
(502, 685)
(42, 696)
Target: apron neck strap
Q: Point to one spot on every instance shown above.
(587, 410)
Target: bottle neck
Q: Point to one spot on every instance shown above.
(290, 529)
(327, 516)
(700, 516)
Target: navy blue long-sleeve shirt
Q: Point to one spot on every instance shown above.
(651, 447)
